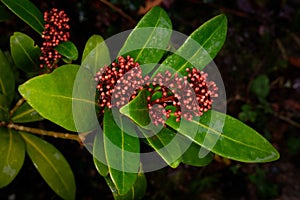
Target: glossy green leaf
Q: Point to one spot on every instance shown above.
(52, 165)
(122, 152)
(197, 156)
(4, 109)
(25, 113)
(161, 140)
(149, 39)
(7, 78)
(137, 109)
(227, 137)
(24, 53)
(51, 95)
(4, 14)
(28, 12)
(68, 50)
(200, 47)
(95, 54)
(136, 192)
(12, 154)
(99, 154)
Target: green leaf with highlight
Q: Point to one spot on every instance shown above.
(200, 47)
(122, 152)
(24, 53)
(52, 166)
(227, 137)
(68, 50)
(28, 12)
(12, 154)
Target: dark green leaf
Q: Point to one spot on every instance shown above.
(52, 166)
(227, 137)
(4, 14)
(52, 96)
(4, 109)
(68, 50)
(148, 40)
(261, 86)
(95, 54)
(12, 154)
(25, 113)
(7, 79)
(24, 53)
(136, 192)
(99, 154)
(200, 47)
(196, 155)
(122, 152)
(28, 12)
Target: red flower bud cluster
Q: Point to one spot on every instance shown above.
(185, 97)
(56, 31)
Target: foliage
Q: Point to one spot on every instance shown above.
(51, 96)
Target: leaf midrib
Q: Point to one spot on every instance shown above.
(46, 158)
(25, 52)
(20, 115)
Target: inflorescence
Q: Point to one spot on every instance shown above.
(168, 94)
(56, 30)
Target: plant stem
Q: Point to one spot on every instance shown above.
(18, 104)
(44, 132)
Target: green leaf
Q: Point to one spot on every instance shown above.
(4, 109)
(24, 53)
(200, 47)
(148, 40)
(233, 139)
(197, 156)
(28, 12)
(95, 54)
(137, 110)
(52, 96)
(25, 113)
(136, 192)
(68, 50)
(99, 154)
(52, 166)
(7, 79)
(122, 152)
(12, 151)
(260, 86)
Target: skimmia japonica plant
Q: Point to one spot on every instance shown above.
(114, 103)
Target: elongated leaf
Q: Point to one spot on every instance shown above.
(25, 113)
(162, 141)
(4, 109)
(197, 156)
(200, 48)
(148, 40)
(99, 154)
(52, 166)
(7, 79)
(136, 192)
(233, 139)
(12, 154)
(68, 50)
(28, 12)
(51, 95)
(96, 54)
(122, 153)
(24, 53)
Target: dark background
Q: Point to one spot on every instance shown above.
(263, 39)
